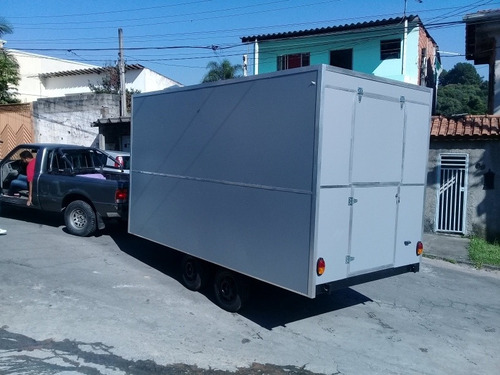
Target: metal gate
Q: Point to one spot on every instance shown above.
(452, 194)
(15, 126)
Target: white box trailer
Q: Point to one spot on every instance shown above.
(309, 179)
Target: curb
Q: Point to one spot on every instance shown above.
(466, 262)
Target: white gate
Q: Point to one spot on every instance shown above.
(452, 194)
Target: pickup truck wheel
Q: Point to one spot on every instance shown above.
(230, 290)
(80, 218)
(194, 273)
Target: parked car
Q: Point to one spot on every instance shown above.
(117, 159)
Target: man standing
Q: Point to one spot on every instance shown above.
(24, 182)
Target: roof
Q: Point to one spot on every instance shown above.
(53, 145)
(466, 127)
(479, 29)
(331, 29)
(125, 120)
(97, 70)
(482, 16)
(45, 57)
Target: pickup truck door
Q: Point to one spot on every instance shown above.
(49, 190)
(11, 166)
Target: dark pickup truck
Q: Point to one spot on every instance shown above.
(71, 179)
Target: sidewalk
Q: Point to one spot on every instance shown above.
(447, 247)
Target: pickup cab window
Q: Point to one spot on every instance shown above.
(72, 161)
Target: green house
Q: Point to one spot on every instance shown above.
(396, 48)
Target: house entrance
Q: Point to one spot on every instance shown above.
(452, 194)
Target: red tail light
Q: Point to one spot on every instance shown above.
(420, 248)
(119, 162)
(121, 195)
(320, 266)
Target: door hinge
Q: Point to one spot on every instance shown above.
(348, 259)
(360, 94)
(351, 201)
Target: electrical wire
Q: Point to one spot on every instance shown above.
(167, 47)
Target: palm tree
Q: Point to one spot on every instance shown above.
(219, 71)
(5, 28)
(9, 69)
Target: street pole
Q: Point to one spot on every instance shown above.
(121, 66)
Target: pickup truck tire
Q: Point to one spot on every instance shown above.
(80, 218)
(230, 290)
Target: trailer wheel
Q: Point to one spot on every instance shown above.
(193, 273)
(230, 290)
(80, 218)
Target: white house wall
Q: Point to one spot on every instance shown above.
(496, 77)
(32, 88)
(31, 65)
(154, 81)
(143, 80)
(65, 85)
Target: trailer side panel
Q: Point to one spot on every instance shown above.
(225, 173)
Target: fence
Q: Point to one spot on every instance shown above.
(15, 126)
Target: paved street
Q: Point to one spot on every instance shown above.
(113, 304)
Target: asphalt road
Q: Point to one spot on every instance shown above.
(113, 304)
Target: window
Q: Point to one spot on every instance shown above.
(341, 58)
(293, 61)
(390, 49)
(66, 160)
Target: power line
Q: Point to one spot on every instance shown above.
(140, 38)
(118, 11)
(201, 16)
(386, 31)
(185, 45)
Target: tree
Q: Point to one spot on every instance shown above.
(462, 91)
(110, 84)
(220, 71)
(462, 73)
(9, 70)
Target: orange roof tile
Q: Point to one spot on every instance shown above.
(470, 126)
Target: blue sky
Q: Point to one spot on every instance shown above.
(177, 38)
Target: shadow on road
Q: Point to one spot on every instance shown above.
(272, 307)
(53, 219)
(268, 306)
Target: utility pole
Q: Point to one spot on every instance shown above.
(121, 67)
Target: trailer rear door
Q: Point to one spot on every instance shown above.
(377, 153)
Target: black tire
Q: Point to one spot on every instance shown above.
(194, 273)
(230, 290)
(80, 218)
